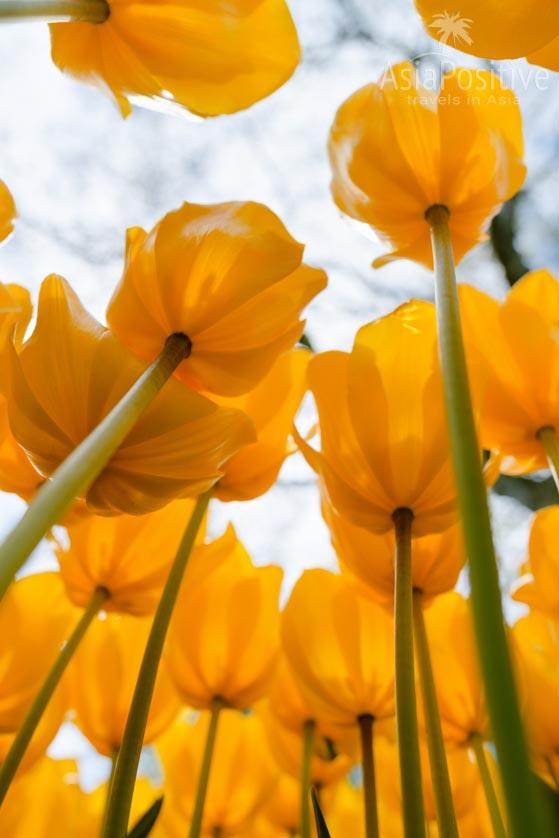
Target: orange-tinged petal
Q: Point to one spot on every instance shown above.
(229, 276)
(35, 619)
(490, 28)
(271, 406)
(209, 57)
(326, 627)
(456, 668)
(513, 362)
(538, 587)
(397, 148)
(224, 636)
(66, 379)
(129, 556)
(547, 56)
(102, 676)
(8, 211)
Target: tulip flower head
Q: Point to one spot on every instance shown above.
(436, 559)
(271, 406)
(242, 775)
(491, 29)
(230, 278)
(456, 670)
(512, 356)
(397, 149)
(7, 211)
(223, 640)
(35, 619)
(326, 633)
(65, 380)
(383, 425)
(129, 556)
(211, 58)
(538, 586)
(102, 677)
(536, 638)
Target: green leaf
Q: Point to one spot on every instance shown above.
(146, 823)
(321, 828)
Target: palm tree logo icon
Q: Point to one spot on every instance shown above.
(452, 27)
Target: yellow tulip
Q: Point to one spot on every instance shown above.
(513, 360)
(436, 559)
(539, 587)
(129, 556)
(271, 406)
(536, 639)
(282, 809)
(343, 807)
(102, 676)
(67, 377)
(17, 474)
(329, 762)
(230, 278)
(7, 211)
(46, 800)
(383, 425)
(223, 641)
(456, 669)
(242, 776)
(212, 58)
(467, 793)
(35, 619)
(397, 149)
(340, 648)
(491, 29)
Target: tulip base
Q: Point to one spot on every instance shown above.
(489, 789)
(444, 805)
(83, 11)
(406, 705)
(86, 462)
(39, 705)
(366, 724)
(525, 815)
(120, 800)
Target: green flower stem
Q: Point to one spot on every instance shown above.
(366, 723)
(525, 815)
(406, 707)
(478, 748)
(205, 768)
(82, 467)
(308, 746)
(114, 758)
(446, 818)
(84, 11)
(38, 707)
(122, 790)
(548, 438)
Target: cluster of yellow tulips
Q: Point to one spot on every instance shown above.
(375, 701)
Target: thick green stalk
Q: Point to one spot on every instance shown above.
(122, 790)
(406, 706)
(548, 438)
(39, 705)
(525, 815)
(308, 745)
(205, 768)
(85, 11)
(487, 782)
(366, 723)
(444, 804)
(82, 467)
